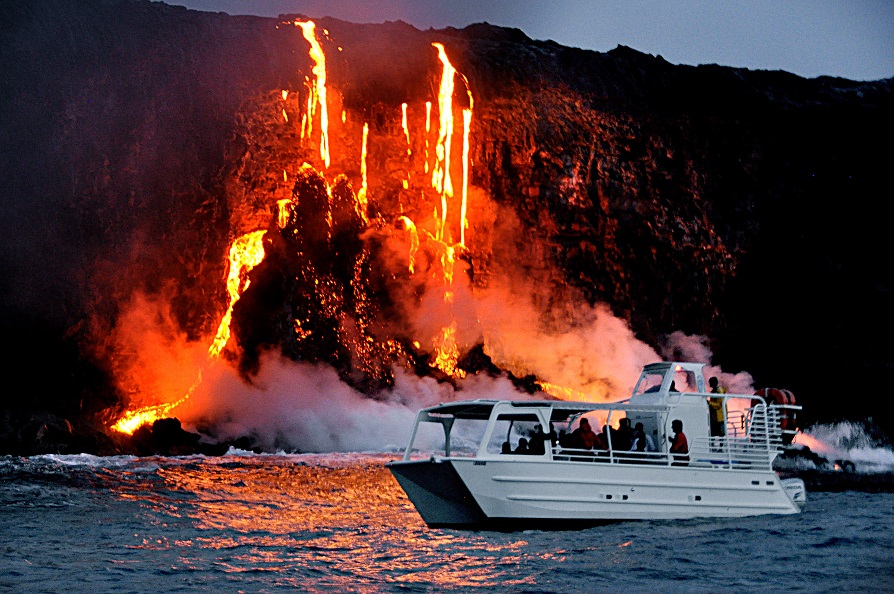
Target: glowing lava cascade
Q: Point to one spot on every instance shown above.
(246, 252)
(318, 89)
(315, 268)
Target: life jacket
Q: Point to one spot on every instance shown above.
(779, 396)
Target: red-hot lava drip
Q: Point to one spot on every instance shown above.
(318, 94)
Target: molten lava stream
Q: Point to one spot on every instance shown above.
(318, 92)
(245, 253)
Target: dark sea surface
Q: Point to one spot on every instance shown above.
(340, 523)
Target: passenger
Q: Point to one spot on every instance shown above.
(679, 445)
(601, 442)
(638, 439)
(622, 436)
(673, 387)
(537, 445)
(644, 442)
(718, 425)
(522, 447)
(564, 439)
(584, 436)
(507, 448)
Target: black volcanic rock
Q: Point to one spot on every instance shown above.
(167, 437)
(137, 139)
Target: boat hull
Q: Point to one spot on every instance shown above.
(438, 493)
(465, 492)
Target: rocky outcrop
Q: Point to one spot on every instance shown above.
(138, 139)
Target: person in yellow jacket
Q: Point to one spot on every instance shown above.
(718, 422)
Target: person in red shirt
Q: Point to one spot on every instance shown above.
(679, 444)
(584, 435)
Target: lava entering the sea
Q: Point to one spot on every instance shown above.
(334, 275)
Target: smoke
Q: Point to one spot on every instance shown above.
(297, 406)
(153, 362)
(587, 350)
(679, 346)
(527, 325)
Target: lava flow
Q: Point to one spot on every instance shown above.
(326, 272)
(245, 253)
(336, 279)
(318, 89)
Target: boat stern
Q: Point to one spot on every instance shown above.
(796, 491)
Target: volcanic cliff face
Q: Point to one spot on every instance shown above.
(139, 140)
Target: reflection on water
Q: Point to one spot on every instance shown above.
(341, 523)
(342, 520)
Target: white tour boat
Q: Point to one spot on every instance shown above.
(483, 478)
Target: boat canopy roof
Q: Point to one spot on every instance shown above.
(560, 409)
(663, 366)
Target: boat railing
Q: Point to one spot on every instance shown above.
(608, 456)
(753, 444)
(778, 421)
(705, 452)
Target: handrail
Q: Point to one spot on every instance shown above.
(753, 443)
(714, 452)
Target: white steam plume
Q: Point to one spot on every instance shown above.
(680, 346)
(298, 406)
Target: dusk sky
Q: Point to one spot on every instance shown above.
(852, 39)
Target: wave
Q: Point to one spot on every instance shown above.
(848, 441)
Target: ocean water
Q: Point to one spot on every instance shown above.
(340, 523)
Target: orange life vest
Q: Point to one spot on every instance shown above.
(780, 396)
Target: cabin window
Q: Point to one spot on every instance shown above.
(684, 381)
(429, 438)
(466, 436)
(649, 382)
(511, 428)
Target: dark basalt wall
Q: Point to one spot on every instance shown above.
(751, 207)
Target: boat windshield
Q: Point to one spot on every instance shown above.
(684, 381)
(466, 436)
(649, 382)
